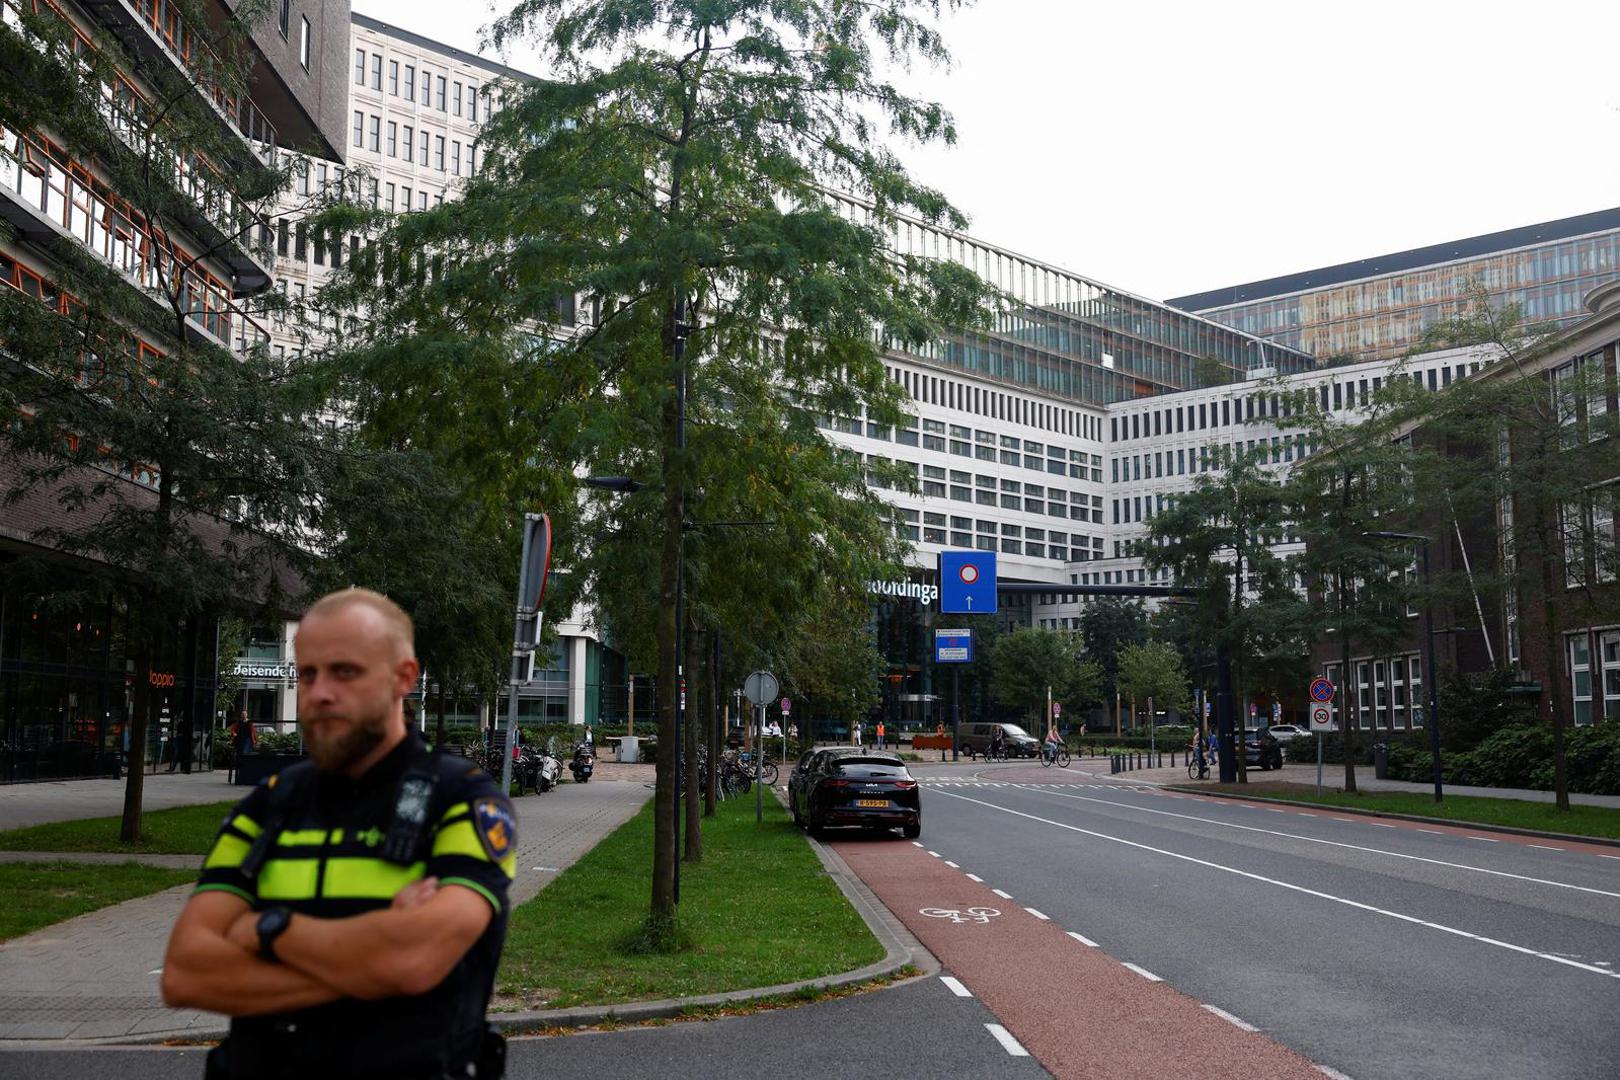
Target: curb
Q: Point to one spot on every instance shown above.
(900, 949)
(1512, 830)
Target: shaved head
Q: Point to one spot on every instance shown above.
(395, 623)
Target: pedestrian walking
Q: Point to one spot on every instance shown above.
(855, 735)
(243, 742)
(880, 744)
(381, 965)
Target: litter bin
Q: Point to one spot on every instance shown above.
(1381, 760)
(630, 749)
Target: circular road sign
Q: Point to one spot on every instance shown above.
(969, 573)
(1321, 689)
(1321, 715)
(760, 687)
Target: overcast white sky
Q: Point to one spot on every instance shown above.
(1170, 146)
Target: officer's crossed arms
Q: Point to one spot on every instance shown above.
(386, 904)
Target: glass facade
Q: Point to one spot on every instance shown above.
(1383, 316)
(67, 689)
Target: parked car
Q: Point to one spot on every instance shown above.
(1019, 743)
(844, 786)
(1286, 732)
(1260, 748)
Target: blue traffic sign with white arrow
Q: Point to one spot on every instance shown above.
(967, 582)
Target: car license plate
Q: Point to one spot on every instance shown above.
(875, 804)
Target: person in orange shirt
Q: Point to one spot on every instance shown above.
(880, 735)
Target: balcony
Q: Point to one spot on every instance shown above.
(155, 30)
(55, 203)
(223, 219)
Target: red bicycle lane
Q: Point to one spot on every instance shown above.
(1079, 1012)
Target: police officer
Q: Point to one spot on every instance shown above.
(351, 913)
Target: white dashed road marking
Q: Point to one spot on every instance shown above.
(1230, 1019)
(952, 865)
(1487, 839)
(1142, 971)
(1003, 895)
(935, 854)
(1008, 1043)
(955, 986)
(1082, 939)
(976, 877)
(1331, 898)
(1038, 915)
(1546, 847)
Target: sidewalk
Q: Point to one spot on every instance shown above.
(1333, 780)
(96, 976)
(22, 805)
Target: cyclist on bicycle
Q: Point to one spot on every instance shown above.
(1199, 758)
(1053, 741)
(997, 746)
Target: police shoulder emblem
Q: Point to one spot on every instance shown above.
(497, 828)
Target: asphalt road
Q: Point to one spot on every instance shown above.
(915, 1029)
(1376, 950)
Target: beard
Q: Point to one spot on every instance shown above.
(336, 750)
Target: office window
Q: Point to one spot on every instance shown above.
(393, 139)
(376, 133)
(455, 99)
(376, 71)
(410, 141)
(303, 43)
(359, 67)
(410, 82)
(300, 242)
(422, 156)
(439, 92)
(390, 202)
(359, 128)
(1580, 675)
(455, 158)
(404, 197)
(438, 152)
(282, 232)
(472, 101)
(427, 87)
(284, 17)
(421, 200)
(393, 77)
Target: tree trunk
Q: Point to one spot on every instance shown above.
(142, 633)
(694, 799)
(1351, 702)
(438, 727)
(711, 729)
(1557, 679)
(663, 878)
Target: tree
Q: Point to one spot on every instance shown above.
(1029, 663)
(142, 399)
(1358, 482)
(675, 176)
(1218, 539)
(1531, 445)
(1153, 671)
(1107, 625)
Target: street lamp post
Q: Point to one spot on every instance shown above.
(1431, 677)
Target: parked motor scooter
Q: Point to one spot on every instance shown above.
(548, 770)
(583, 763)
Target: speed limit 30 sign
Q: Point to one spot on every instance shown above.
(1321, 716)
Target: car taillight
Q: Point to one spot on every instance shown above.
(905, 785)
(836, 783)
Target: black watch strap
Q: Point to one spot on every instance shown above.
(272, 923)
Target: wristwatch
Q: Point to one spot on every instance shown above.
(273, 922)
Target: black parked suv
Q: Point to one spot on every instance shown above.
(1262, 748)
(846, 786)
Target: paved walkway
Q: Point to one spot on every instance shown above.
(96, 976)
(1333, 780)
(22, 805)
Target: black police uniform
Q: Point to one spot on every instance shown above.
(345, 846)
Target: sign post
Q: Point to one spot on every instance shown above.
(760, 688)
(787, 710)
(1322, 693)
(954, 647)
(534, 568)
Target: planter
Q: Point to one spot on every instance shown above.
(254, 768)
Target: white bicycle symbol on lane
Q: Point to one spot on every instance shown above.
(979, 915)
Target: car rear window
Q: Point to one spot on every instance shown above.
(871, 767)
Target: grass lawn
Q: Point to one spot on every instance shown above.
(39, 894)
(182, 830)
(757, 911)
(1514, 813)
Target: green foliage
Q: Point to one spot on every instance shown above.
(41, 894)
(1107, 625)
(279, 742)
(1473, 707)
(758, 910)
(1027, 662)
(1154, 670)
(182, 830)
